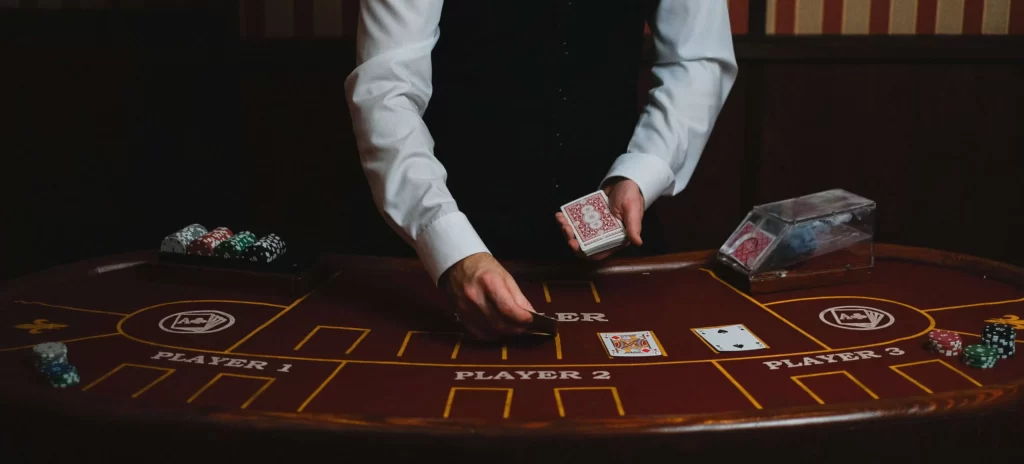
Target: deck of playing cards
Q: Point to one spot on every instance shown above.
(748, 244)
(592, 221)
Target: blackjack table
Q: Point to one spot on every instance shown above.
(359, 358)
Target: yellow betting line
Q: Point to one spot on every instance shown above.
(762, 306)
(265, 324)
(737, 385)
(321, 387)
(70, 308)
(278, 315)
(975, 305)
(973, 334)
(62, 341)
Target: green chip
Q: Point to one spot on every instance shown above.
(233, 247)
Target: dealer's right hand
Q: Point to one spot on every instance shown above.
(486, 298)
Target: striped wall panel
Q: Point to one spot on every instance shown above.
(96, 4)
(337, 18)
(894, 17)
(319, 18)
(276, 19)
(739, 16)
(293, 18)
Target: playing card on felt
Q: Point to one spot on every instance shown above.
(735, 337)
(592, 219)
(631, 344)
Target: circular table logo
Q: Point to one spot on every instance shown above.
(197, 322)
(856, 318)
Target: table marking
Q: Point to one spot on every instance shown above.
(529, 375)
(428, 364)
(615, 397)
(974, 335)
(408, 335)
(354, 344)
(1009, 319)
(844, 356)
(90, 337)
(271, 321)
(896, 368)
(167, 372)
(451, 398)
(762, 306)
(39, 326)
(282, 313)
(70, 308)
(796, 378)
(975, 305)
(547, 292)
(269, 380)
(737, 385)
(120, 329)
(558, 346)
(321, 387)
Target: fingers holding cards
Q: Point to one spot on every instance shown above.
(594, 227)
(543, 325)
(591, 218)
(567, 231)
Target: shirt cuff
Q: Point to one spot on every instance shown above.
(447, 241)
(651, 173)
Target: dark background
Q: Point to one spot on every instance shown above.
(118, 127)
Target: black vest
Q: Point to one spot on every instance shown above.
(532, 102)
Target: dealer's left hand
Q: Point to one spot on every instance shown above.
(627, 204)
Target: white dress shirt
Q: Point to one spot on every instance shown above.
(388, 91)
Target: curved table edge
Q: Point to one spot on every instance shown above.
(1004, 398)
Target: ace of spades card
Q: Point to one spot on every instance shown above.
(735, 337)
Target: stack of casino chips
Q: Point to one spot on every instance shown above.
(981, 355)
(52, 361)
(223, 243)
(1002, 337)
(265, 249)
(945, 343)
(234, 246)
(204, 245)
(177, 242)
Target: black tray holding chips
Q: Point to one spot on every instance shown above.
(288, 263)
(294, 272)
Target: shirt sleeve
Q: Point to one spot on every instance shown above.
(694, 70)
(388, 92)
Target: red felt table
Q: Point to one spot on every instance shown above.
(369, 355)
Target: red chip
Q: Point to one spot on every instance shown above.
(204, 245)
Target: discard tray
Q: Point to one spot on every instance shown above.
(825, 238)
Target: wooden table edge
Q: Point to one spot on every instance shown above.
(991, 400)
